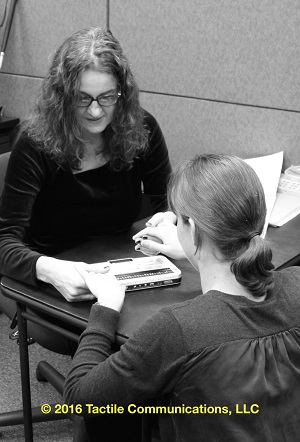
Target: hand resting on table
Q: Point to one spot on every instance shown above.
(66, 277)
(105, 287)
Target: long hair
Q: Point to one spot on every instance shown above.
(54, 125)
(225, 198)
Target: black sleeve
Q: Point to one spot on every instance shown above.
(23, 182)
(156, 167)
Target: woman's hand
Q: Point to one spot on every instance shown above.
(66, 278)
(105, 287)
(161, 239)
(161, 217)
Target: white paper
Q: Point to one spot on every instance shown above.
(268, 169)
(285, 208)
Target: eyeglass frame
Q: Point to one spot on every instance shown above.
(118, 95)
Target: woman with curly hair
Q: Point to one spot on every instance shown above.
(77, 168)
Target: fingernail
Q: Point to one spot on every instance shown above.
(145, 237)
(137, 241)
(148, 224)
(106, 267)
(137, 248)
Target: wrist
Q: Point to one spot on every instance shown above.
(116, 306)
(44, 267)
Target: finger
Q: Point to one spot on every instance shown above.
(152, 238)
(148, 252)
(146, 231)
(170, 217)
(88, 277)
(80, 267)
(152, 246)
(156, 219)
(162, 217)
(146, 237)
(99, 267)
(94, 280)
(91, 279)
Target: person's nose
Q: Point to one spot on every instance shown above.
(94, 109)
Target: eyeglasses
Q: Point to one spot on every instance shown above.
(102, 100)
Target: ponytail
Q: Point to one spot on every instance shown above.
(253, 267)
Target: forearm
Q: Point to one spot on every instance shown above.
(23, 180)
(134, 374)
(18, 261)
(94, 348)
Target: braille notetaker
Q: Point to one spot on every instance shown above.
(146, 272)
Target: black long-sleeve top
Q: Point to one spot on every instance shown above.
(45, 209)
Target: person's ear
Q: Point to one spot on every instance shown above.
(192, 228)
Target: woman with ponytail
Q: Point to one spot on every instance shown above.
(230, 358)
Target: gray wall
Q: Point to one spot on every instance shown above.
(219, 75)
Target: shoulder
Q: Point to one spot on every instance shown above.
(160, 329)
(182, 316)
(192, 323)
(193, 309)
(150, 121)
(157, 144)
(27, 156)
(25, 146)
(288, 278)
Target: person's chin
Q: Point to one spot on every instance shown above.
(95, 127)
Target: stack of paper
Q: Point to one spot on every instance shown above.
(268, 169)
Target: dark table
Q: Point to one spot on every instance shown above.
(138, 306)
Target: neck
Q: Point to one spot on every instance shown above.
(216, 275)
(94, 156)
(94, 145)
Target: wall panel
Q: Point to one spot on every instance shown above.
(18, 94)
(241, 51)
(215, 73)
(197, 126)
(40, 26)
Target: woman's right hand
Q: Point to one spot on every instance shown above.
(106, 288)
(66, 278)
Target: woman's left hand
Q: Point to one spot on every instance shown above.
(105, 287)
(161, 239)
(160, 218)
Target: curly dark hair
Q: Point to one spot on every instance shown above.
(54, 125)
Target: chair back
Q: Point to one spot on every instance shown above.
(4, 157)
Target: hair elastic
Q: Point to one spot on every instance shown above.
(252, 235)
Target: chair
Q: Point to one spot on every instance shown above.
(4, 157)
(44, 371)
